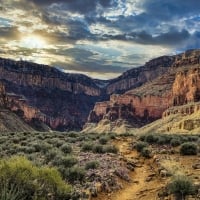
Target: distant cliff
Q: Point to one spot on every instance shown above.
(175, 82)
(138, 76)
(44, 94)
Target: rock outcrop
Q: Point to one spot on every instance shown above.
(177, 85)
(186, 87)
(138, 76)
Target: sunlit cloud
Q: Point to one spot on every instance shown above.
(100, 38)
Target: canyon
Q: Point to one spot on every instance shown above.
(44, 96)
(177, 86)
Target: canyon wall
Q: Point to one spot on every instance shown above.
(137, 76)
(177, 85)
(45, 94)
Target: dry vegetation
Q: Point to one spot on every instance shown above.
(98, 166)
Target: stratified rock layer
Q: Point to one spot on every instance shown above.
(178, 85)
(42, 93)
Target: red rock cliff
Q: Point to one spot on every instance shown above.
(179, 84)
(186, 87)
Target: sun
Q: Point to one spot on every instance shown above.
(33, 42)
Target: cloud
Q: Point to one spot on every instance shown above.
(104, 36)
(172, 38)
(76, 5)
(9, 33)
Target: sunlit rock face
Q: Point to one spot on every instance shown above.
(175, 82)
(138, 76)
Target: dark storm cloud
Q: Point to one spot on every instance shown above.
(171, 38)
(9, 33)
(139, 28)
(82, 6)
(167, 9)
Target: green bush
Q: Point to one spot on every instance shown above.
(146, 152)
(67, 161)
(150, 138)
(30, 182)
(175, 142)
(112, 135)
(140, 145)
(73, 134)
(98, 148)
(65, 148)
(103, 140)
(75, 174)
(50, 155)
(181, 186)
(92, 165)
(188, 148)
(87, 147)
(110, 149)
(11, 193)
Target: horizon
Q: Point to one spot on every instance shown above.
(98, 38)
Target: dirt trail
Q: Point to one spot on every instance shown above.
(138, 188)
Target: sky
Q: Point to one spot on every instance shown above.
(99, 38)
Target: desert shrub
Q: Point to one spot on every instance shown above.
(97, 148)
(3, 139)
(181, 186)
(112, 136)
(188, 148)
(67, 161)
(87, 147)
(41, 146)
(29, 150)
(146, 152)
(65, 148)
(103, 140)
(175, 142)
(16, 140)
(73, 134)
(31, 182)
(150, 138)
(142, 138)
(56, 142)
(11, 192)
(75, 174)
(110, 149)
(163, 139)
(51, 154)
(92, 165)
(140, 145)
(72, 140)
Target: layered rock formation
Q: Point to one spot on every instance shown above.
(44, 94)
(186, 87)
(138, 76)
(179, 85)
